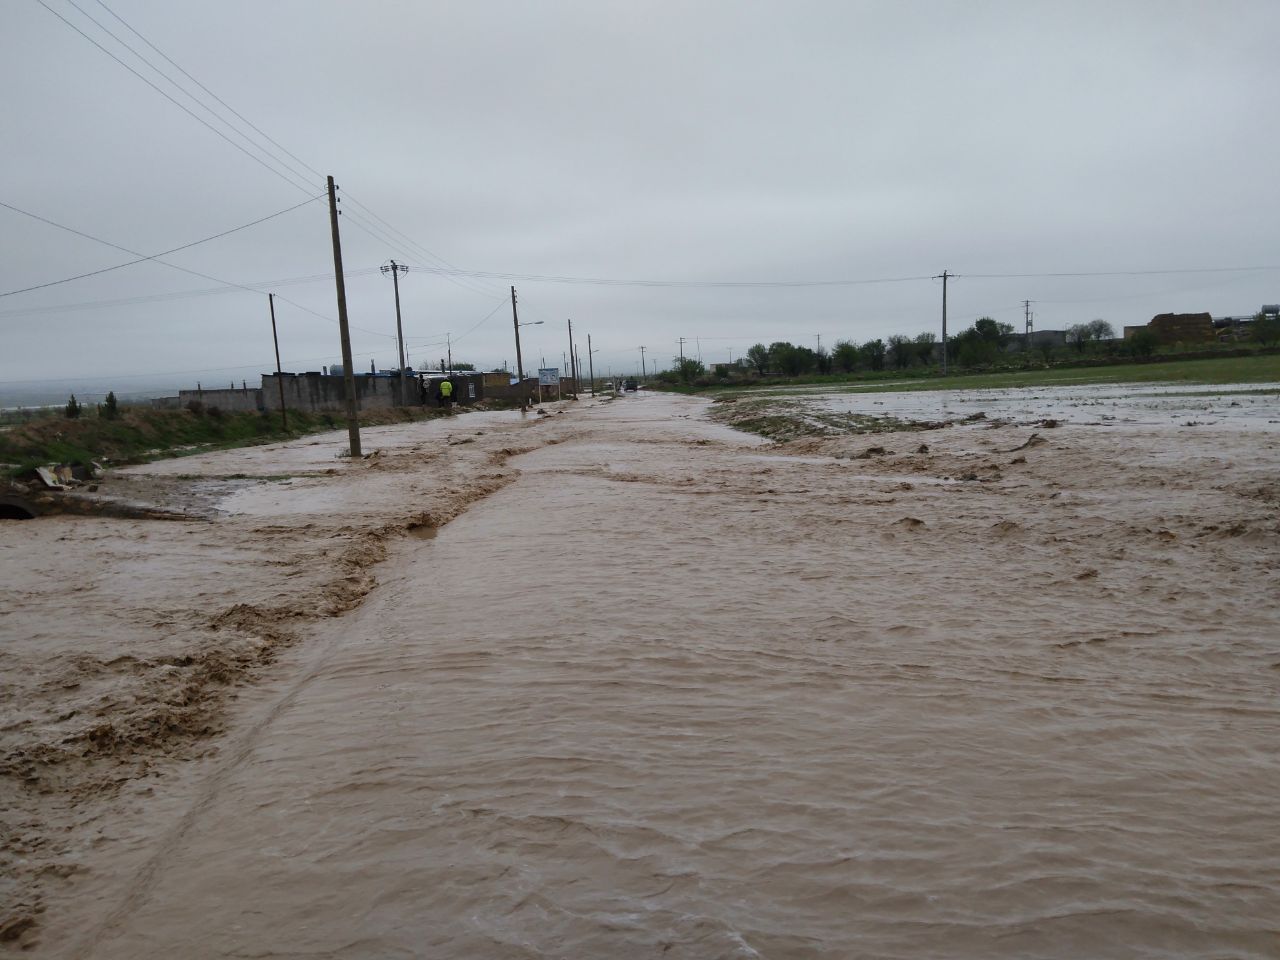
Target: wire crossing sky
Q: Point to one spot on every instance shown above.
(729, 173)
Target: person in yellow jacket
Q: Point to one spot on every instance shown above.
(446, 393)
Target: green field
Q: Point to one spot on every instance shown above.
(1223, 370)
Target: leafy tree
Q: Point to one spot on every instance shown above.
(822, 360)
(1266, 328)
(1100, 330)
(758, 356)
(845, 356)
(925, 344)
(1078, 336)
(72, 410)
(110, 408)
(901, 351)
(792, 360)
(873, 353)
(1143, 343)
(687, 369)
(982, 342)
(464, 366)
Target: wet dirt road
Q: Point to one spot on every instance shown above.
(668, 694)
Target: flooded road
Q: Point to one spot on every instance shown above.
(669, 693)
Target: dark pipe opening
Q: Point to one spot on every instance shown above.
(15, 511)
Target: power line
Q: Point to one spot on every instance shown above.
(224, 103)
(261, 286)
(608, 281)
(197, 273)
(1113, 273)
(177, 104)
(130, 263)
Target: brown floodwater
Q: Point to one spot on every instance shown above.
(668, 694)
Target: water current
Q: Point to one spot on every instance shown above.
(669, 695)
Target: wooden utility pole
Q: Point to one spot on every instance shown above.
(515, 319)
(284, 416)
(1026, 312)
(348, 374)
(643, 375)
(448, 339)
(943, 277)
(591, 367)
(573, 366)
(395, 270)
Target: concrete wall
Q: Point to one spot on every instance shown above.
(247, 400)
(316, 392)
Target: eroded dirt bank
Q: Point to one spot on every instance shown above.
(966, 692)
(126, 639)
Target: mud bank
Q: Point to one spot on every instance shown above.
(127, 635)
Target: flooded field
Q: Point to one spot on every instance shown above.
(1241, 407)
(669, 690)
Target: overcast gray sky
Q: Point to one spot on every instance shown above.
(693, 141)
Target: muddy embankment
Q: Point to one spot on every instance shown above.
(126, 638)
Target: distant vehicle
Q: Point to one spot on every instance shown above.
(630, 385)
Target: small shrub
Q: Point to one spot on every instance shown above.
(214, 412)
(196, 407)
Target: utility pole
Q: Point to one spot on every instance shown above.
(1026, 310)
(344, 331)
(395, 270)
(515, 319)
(572, 362)
(591, 367)
(682, 354)
(943, 277)
(643, 375)
(284, 416)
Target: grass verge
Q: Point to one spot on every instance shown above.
(142, 434)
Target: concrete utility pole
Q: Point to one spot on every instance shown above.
(284, 416)
(448, 341)
(643, 375)
(344, 331)
(1026, 310)
(682, 355)
(943, 277)
(395, 270)
(591, 366)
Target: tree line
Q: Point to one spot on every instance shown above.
(983, 345)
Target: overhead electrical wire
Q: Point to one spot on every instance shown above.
(404, 240)
(141, 259)
(175, 102)
(224, 103)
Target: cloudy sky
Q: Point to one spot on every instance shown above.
(799, 145)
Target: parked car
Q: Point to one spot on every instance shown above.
(630, 385)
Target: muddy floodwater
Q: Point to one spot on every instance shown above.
(669, 690)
